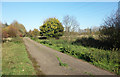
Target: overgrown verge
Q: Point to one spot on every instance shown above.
(106, 59)
(15, 59)
(35, 65)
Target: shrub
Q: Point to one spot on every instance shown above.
(52, 28)
(12, 31)
(91, 42)
(35, 33)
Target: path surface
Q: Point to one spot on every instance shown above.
(49, 65)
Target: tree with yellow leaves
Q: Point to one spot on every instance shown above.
(52, 27)
(35, 33)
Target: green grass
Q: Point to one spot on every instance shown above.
(15, 59)
(90, 74)
(60, 62)
(106, 59)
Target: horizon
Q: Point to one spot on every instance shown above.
(33, 14)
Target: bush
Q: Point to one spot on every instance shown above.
(35, 33)
(44, 42)
(52, 28)
(91, 42)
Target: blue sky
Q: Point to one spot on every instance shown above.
(32, 14)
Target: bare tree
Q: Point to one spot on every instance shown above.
(71, 25)
(110, 31)
(119, 11)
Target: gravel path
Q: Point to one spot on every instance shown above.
(49, 64)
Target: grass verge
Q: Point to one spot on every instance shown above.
(35, 65)
(15, 59)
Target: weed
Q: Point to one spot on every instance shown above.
(60, 62)
(90, 74)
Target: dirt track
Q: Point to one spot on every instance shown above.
(49, 64)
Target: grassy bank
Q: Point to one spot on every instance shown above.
(15, 59)
(106, 59)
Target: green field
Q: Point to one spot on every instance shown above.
(15, 59)
(106, 59)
